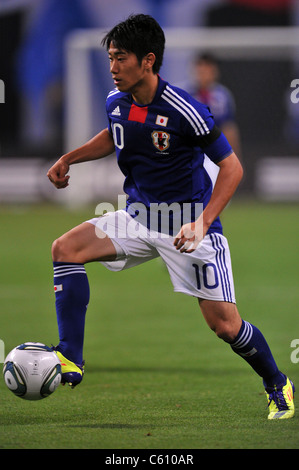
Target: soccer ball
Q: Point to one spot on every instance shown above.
(32, 371)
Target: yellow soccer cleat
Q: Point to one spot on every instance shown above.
(71, 373)
(281, 400)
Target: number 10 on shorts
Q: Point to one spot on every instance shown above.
(207, 276)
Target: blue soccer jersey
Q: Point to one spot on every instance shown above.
(220, 101)
(161, 148)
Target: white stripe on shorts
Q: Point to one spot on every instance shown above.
(222, 267)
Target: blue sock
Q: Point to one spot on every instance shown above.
(72, 296)
(252, 346)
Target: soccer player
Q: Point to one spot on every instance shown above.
(162, 138)
(217, 97)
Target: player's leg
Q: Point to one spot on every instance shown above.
(222, 317)
(207, 274)
(82, 245)
(248, 342)
(245, 339)
(106, 239)
(70, 252)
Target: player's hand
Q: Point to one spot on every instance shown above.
(57, 174)
(189, 237)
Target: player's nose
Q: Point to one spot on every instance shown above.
(113, 67)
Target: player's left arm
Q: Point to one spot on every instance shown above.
(229, 177)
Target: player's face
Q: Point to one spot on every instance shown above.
(126, 71)
(206, 74)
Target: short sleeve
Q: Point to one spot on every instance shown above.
(218, 148)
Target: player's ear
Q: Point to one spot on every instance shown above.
(149, 60)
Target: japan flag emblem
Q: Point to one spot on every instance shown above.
(161, 120)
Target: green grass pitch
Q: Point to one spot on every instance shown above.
(156, 376)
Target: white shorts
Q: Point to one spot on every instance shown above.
(206, 273)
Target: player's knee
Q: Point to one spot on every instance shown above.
(60, 250)
(225, 331)
(65, 249)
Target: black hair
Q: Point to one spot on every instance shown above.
(207, 58)
(140, 34)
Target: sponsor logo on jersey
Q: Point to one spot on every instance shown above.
(161, 140)
(116, 111)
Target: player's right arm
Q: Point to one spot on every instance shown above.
(98, 147)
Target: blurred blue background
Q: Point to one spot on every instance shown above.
(33, 67)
